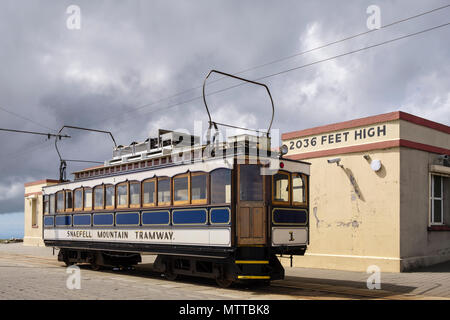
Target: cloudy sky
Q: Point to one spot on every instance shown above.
(127, 55)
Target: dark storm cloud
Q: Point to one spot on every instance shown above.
(131, 53)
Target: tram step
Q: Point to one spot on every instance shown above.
(251, 261)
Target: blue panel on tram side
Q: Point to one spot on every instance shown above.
(127, 219)
(81, 220)
(158, 217)
(103, 219)
(189, 216)
(49, 222)
(289, 216)
(63, 221)
(220, 215)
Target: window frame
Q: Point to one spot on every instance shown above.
(94, 207)
(46, 200)
(82, 199)
(199, 201)
(58, 210)
(305, 189)
(290, 198)
(120, 206)
(155, 198)
(129, 194)
(53, 195)
(432, 198)
(65, 201)
(166, 203)
(181, 202)
(210, 187)
(105, 186)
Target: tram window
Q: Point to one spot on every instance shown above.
(163, 191)
(110, 197)
(60, 201)
(221, 186)
(69, 203)
(281, 187)
(298, 189)
(122, 195)
(52, 204)
(181, 189)
(78, 199)
(199, 187)
(149, 193)
(87, 198)
(251, 183)
(135, 194)
(98, 197)
(46, 205)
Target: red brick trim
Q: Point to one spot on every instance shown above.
(38, 193)
(368, 147)
(33, 183)
(368, 121)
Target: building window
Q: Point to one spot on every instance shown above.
(181, 189)
(280, 188)
(440, 200)
(60, 201)
(98, 197)
(199, 188)
(149, 193)
(221, 186)
(78, 199)
(298, 189)
(87, 198)
(110, 197)
(163, 191)
(69, 200)
(46, 208)
(122, 195)
(135, 194)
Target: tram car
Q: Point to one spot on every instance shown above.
(223, 213)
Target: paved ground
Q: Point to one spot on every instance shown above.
(34, 273)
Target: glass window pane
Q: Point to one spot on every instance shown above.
(180, 189)
(60, 201)
(78, 204)
(221, 186)
(437, 186)
(251, 183)
(163, 190)
(437, 211)
(135, 193)
(110, 196)
(46, 204)
(198, 186)
(98, 197)
(149, 192)
(281, 187)
(298, 189)
(88, 198)
(69, 203)
(122, 195)
(52, 203)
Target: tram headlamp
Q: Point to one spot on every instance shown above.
(284, 149)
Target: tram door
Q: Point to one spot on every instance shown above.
(251, 209)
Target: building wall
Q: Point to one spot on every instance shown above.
(354, 218)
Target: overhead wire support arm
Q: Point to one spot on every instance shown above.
(49, 135)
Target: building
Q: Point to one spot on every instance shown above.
(380, 192)
(33, 212)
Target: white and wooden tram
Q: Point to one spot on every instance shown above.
(222, 212)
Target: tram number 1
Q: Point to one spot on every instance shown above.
(303, 143)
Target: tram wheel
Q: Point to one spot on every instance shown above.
(68, 263)
(95, 267)
(170, 275)
(223, 283)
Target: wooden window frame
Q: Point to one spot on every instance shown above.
(432, 198)
(129, 194)
(65, 203)
(82, 199)
(93, 197)
(104, 197)
(199, 201)
(167, 203)
(155, 182)
(288, 202)
(120, 206)
(48, 204)
(181, 202)
(58, 210)
(305, 189)
(211, 185)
